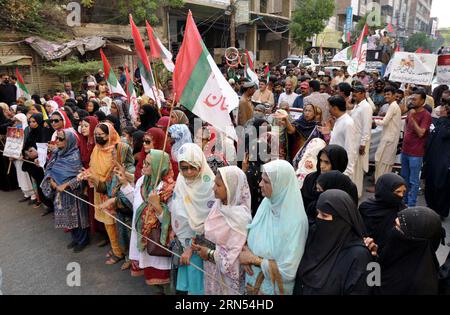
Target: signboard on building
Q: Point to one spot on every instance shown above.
(348, 20)
(413, 68)
(242, 11)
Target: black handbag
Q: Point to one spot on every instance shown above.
(152, 248)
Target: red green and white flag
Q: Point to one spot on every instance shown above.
(131, 96)
(147, 80)
(113, 84)
(200, 86)
(359, 53)
(157, 49)
(249, 69)
(22, 90)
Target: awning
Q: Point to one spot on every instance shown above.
(15, 60)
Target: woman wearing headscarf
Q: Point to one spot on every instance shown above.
(150, 211)
(148, 116)
(437, 166)
(179, 135)
(9, 181)
(113, 120)
(163, 123)
(100, 116)
(105, 105)
(336, 258)
(226, 227)
(92, 106)
(277, 236)
(332, 157)
(178, 118)
(109, 153)
(25, 184)
(60, 175)
(380, 212)
(59, 121)
(37, 133)
(191, 203)
(50, 107)
(408, 263)
(119, 110)
(337, 180)
(302, 130)
(154, 139)
(137, 142)
(207, 139)
(306, 163)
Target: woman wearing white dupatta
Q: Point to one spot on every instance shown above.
(226, 227)
(278, 233)
(191, 203)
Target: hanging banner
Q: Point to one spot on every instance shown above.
(443, 69)
(14, 143)
(413, 68)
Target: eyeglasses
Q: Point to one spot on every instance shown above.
(55, 121)
(60, 139)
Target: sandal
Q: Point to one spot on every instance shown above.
(114, 260)
(126, 265)
(109, 254)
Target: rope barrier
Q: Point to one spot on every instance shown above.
(221, 282)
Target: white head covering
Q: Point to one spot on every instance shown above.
(195, 196)
(106, 109)
(23, 119)
(54, 106)
(237, 211)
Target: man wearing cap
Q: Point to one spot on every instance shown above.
(245, 104)
(304, 92)
(288, 95)
(362, 116)
(318, 99)
(263, 95)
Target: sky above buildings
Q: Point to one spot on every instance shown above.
(441, 9)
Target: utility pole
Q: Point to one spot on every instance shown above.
(233, 23)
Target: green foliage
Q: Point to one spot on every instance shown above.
(117, 11)
(309, 19)
(33, 17)
(72, 69)
(419, 40)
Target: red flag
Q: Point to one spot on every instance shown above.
(266, 70)
(140, 49)
(356, 50)
(390, 28)
(249, 60)
(155, 52)
(419, 50)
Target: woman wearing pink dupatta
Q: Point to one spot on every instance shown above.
(226, 227)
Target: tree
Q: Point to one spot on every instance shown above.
(418, 40)
(309, 19)
(117, 11)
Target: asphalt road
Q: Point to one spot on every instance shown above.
(34, 258)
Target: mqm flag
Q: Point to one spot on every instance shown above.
(267, 73)
(131, 95)
(157, 49)
(22, 90)
(249, 73)
(113, 85)
(200, 86)
(147, 80)
(359, 53)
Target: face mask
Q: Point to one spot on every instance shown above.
(100, 140)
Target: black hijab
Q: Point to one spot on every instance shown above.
(380, 212)
(409, 264)
(116, 123)
(138, 141)
(305, 127)
(326, 239)
(150, 117)
(339, 160)
(96, 107)
(337, 180)
(36, 99)
(101, 116)
(38, 134)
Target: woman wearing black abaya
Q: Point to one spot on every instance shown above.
(437, 166)
(380, 212)
(8, 182)
(409, 265)
(336, 258)
(149, 116)
(332, 157)
(37, 134)
(337, 180)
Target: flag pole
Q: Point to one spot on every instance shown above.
(165, 142)
(9, 167)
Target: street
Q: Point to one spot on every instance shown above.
(34, 258)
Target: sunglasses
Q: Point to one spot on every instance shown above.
(187, 168)
(60, 139)
(55, 121)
